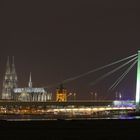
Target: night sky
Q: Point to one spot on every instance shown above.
(56, 40)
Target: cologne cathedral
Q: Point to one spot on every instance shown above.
(11, 91)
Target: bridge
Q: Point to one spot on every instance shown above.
(92, 103)
(77, 103)
(67, 110)
(132, 60)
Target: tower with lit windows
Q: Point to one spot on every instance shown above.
(61, 94)
(9, 82)
(14, 75)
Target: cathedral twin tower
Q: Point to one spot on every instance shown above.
(10, 90)
(10, 81)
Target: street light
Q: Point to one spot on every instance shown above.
(95, 96)
(120, 96)
(70, 94)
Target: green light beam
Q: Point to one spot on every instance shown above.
(137, 100)
(116, 83)
(97, 69)
(111, 72)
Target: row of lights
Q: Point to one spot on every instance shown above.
(94, 96)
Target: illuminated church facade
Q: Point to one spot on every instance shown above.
(11, 91)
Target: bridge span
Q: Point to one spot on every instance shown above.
(52, 109)
(77, 103)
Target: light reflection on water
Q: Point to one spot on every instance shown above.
(44, 117)
(129, 117)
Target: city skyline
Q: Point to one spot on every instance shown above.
(69, 69)
(70, 80)
(59, 40)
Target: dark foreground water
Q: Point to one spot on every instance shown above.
(110, 129)
(46, 117)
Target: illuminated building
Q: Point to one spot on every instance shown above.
(9, 82)
(32, 94)
(10, 90)
(61, 94)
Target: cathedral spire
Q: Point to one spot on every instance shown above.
(8, 66)
(13, 73)
(10, 81)
(30, 81)
(6, 91)
(13, 66)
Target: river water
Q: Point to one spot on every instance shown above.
(45, 117)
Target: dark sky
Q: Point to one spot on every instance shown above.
(56, 40)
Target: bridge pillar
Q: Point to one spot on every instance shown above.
(138, 84)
